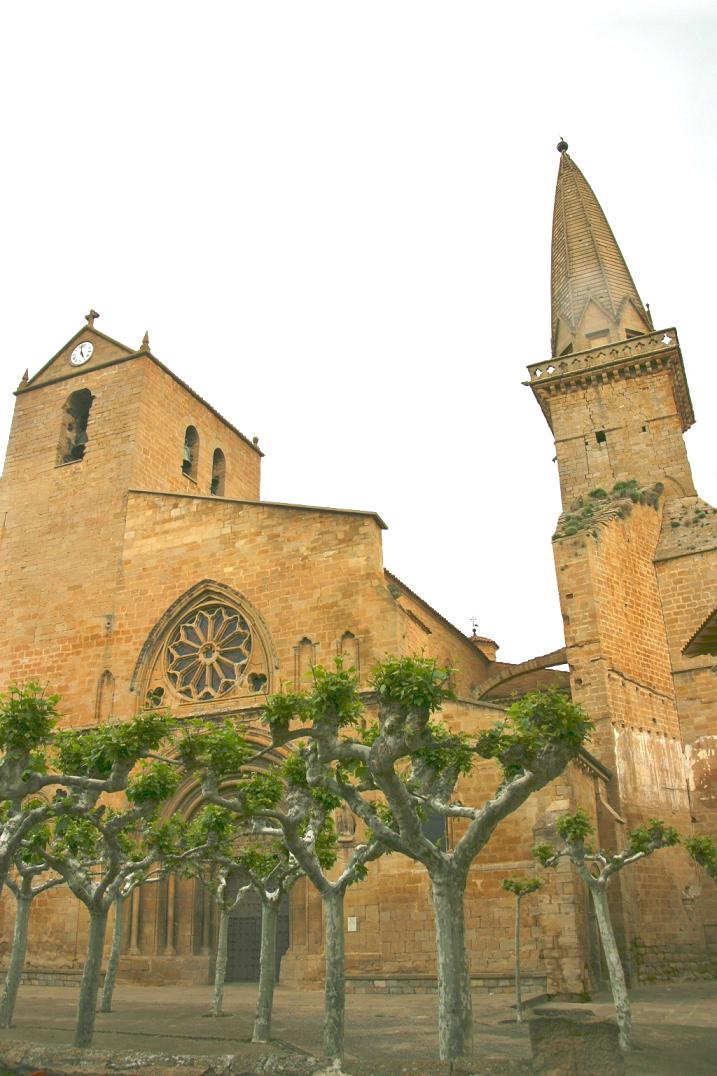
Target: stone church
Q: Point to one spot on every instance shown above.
(141, 568)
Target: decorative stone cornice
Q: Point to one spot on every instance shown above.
(639, 355)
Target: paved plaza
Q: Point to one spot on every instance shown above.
(675, 1027)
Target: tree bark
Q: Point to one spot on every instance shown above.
(113, 962)
(89, 987)
(335, 984)
(220, 969)
(455, 1013)
(614, 967)
(267, 971)
(23, 903)
(518, 997)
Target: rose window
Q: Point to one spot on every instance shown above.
(208, 652)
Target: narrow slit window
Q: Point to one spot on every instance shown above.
(190, 454)
(73, 436)
(219, 470)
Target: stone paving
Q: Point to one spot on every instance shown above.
(675, 1027)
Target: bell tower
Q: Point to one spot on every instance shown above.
(615, 396)
(614, 391)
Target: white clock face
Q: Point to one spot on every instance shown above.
(82, 353)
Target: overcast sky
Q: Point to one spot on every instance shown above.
(334, 219)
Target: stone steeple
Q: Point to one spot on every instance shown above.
(594, 300)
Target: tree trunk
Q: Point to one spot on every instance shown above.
(614, 967)
(518, 996)
(113, 962)
(90, 984)
(335, 984)
(267, 972)
(23, 903)
(455, 1013)
(220, 969)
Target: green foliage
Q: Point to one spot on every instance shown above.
(93, 753)
(76, 837)
(27, 717)
(294, 772)
(545, 854)
(167, 836)
(414, 683)
(260, 791)
(283, 708)
(624, 494)
(325, 846)
(155, 782)
(217, 749)
(335, 693)
(575, 827)
(260, 860)
(522, 886)
(538, 721)
(448, 749)
(655, 834)
(704, 851)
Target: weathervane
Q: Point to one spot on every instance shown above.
(474, 624)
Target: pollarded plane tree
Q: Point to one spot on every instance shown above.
(280, 804)
(168, 846)
(520, 888)
(25, 885)
(415, 764)
(212, 863)
(704, 851)
(597, 868)
(29, 763)
(97, 853)
(231, 862)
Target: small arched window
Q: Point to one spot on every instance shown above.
(219, 469)
(190, 455)
(73, 435)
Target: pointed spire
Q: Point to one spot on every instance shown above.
(24, 379)
(593, 296)
(145, 342)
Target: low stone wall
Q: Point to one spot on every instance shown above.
(426, 984)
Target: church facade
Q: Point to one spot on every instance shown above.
(141, 568)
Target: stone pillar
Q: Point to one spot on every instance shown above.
(171, 900)
(206, 920)
(134, 921)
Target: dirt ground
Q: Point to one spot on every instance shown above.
(675, 1027)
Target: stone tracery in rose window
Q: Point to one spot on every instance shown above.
(208, 652)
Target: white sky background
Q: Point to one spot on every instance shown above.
(334, 219)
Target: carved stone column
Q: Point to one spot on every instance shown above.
(134, 921)
(171, 900)
(206, 920)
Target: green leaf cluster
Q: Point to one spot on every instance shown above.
(704, 851)
(217, 749)
(94, 752)
(575, 827)
(155, 782)
(522, 886)
(447, 749)
(544, 853)
(414, 683)
(27, 717)
(538, 721)
(655, 834)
